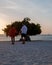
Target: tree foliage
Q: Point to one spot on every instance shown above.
(33, 29)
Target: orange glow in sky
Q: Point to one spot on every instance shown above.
(40, 10)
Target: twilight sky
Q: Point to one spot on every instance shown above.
(39, 11)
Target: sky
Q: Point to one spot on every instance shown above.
(39, 11)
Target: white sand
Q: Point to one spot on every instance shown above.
(31, 53)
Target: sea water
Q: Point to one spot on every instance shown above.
(35, 37)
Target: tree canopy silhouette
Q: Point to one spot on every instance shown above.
(33, 29)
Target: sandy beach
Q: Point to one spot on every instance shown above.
(31, 53)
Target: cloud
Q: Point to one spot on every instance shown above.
(39, 10)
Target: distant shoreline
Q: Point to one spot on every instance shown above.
(31, 41)
(33, 38)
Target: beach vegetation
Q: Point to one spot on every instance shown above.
(33, 29)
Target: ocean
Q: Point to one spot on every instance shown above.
(36, 37)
